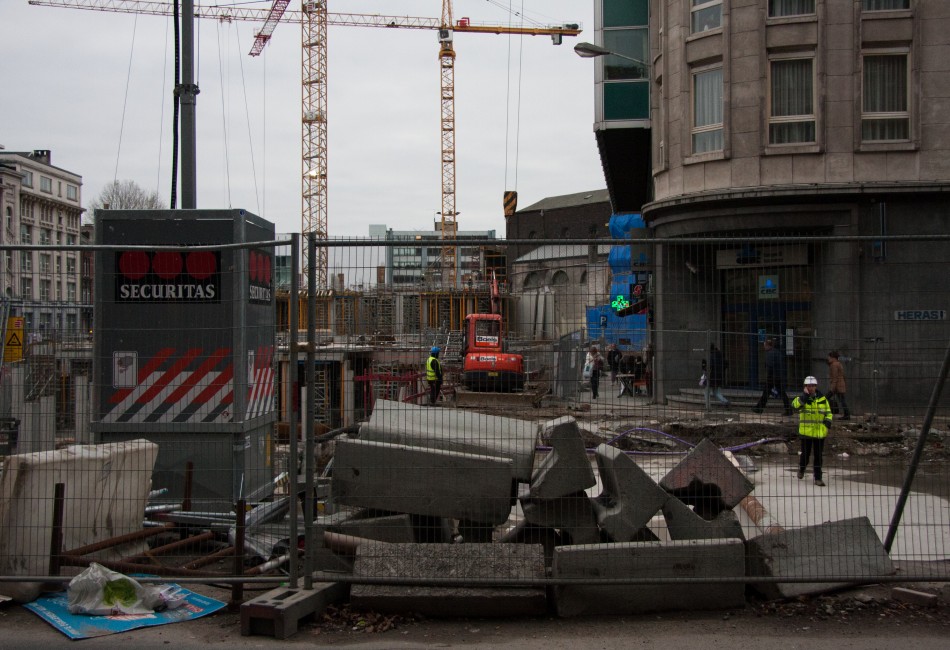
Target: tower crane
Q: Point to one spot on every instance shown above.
(314, 20)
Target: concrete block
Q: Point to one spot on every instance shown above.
(849, 551)
(566, 469)
(422, 481)
(914, 597)
(93, 475)
(710, 559)
(524, 532)
(572, 514)
(278, 612)
(707, 480)
(472, 562)
(454, 430)
(630, 497)
(682, 522)
(394, 528)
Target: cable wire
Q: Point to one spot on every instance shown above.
(125, 102)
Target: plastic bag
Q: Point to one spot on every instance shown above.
(588, 370)
(99, 591)
(702, 380)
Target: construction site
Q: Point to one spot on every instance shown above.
(277, 422)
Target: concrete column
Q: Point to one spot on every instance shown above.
(83, 409)
(38, 426)
(17, 397)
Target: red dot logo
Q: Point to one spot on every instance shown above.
(201, 265)
(265, 268)
(134, 264)
(254, 266)
(167, 265)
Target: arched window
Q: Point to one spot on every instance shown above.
(560, 278)
(533, 280)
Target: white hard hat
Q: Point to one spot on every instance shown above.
(810, 381)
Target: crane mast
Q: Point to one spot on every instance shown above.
(447, 125)
(314, 123)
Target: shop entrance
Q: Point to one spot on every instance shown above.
(759, 304)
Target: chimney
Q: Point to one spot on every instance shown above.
(42, 155)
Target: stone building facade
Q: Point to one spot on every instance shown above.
(823, 120)
(41, 205)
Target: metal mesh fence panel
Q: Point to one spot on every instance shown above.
(557, 420)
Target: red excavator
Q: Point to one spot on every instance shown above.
(486, 366)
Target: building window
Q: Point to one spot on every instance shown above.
(45, 265)
(45, 286)
(706, 15)
(792, 100)
(26, 288)
(46, 236)
(780, 8)
(72, 192)
(26, 262)
(46, 184)
(27, 179)
(884, 5)
(631, 42)
(26, 235)
(707, 111)
(884, 104)
(71, 266)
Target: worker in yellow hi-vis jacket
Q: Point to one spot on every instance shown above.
(814, 420)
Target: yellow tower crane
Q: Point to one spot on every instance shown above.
(314, 19)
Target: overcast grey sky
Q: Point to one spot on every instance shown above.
(95, 88)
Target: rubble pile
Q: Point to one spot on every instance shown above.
(438, 515)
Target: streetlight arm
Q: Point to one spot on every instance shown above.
(590, 51)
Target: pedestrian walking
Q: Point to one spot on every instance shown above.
(837, 386)
(434, 375)
(614, 355)
(814, 420)
(715, 375)
(596, 363)
(774, 377)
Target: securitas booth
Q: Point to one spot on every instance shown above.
(184, 343)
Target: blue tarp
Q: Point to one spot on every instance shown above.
(628, 332)
(619, 259)
(621, 224)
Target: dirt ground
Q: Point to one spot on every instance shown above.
(865, 617)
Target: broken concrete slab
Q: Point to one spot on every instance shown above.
(454, 430)
(524, 532)
(630, 497)
(701, 559)
(465, 562)
(566, 469)
(392, 528)
(572, 514)
(707, 480)
(93, 475)
(847, 551)
(682, 522)
(914, 597)
(422, 481)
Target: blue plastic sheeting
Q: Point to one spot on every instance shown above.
(54, 609)
(621, 224)
(619, 259)
(628, 332)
